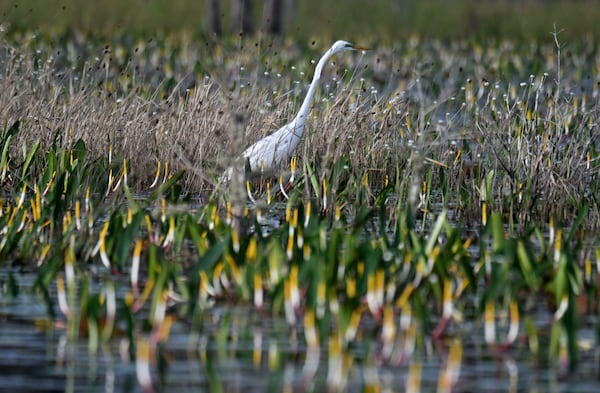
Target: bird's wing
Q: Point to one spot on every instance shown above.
(269, 151)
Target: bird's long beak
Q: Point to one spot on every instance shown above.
(360, 47)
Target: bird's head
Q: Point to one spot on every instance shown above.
(342, 46)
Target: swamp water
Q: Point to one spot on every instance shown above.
(239, 349)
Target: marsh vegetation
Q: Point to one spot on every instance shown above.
(444, 202)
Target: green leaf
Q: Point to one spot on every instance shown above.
(131, 200)
(32, 152)
(208, 261)
(524, 260)
(79, 150)
(163, 188)
(4, 158)
(560, 279)
(10, 132)
(196, 237)
(313, 179)
(435, 233)
(583, 210)
(497, 231)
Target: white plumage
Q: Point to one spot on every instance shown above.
(269, 152)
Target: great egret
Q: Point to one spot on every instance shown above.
(272, 150)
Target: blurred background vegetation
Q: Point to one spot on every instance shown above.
(382, 20)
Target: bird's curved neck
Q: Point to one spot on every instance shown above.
(305, 108)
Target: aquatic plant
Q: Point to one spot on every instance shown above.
(446, 203)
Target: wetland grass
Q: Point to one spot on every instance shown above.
(435, 197)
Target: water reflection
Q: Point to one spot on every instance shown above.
(238, 349)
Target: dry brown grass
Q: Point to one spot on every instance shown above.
(190, 128)
(454, 112)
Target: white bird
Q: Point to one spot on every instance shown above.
(267, 153)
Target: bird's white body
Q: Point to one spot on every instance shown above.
(278, 147)
(273, 149)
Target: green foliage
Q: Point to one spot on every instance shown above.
(377, 230)
(311, 262)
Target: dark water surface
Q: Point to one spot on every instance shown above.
(238, 349)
